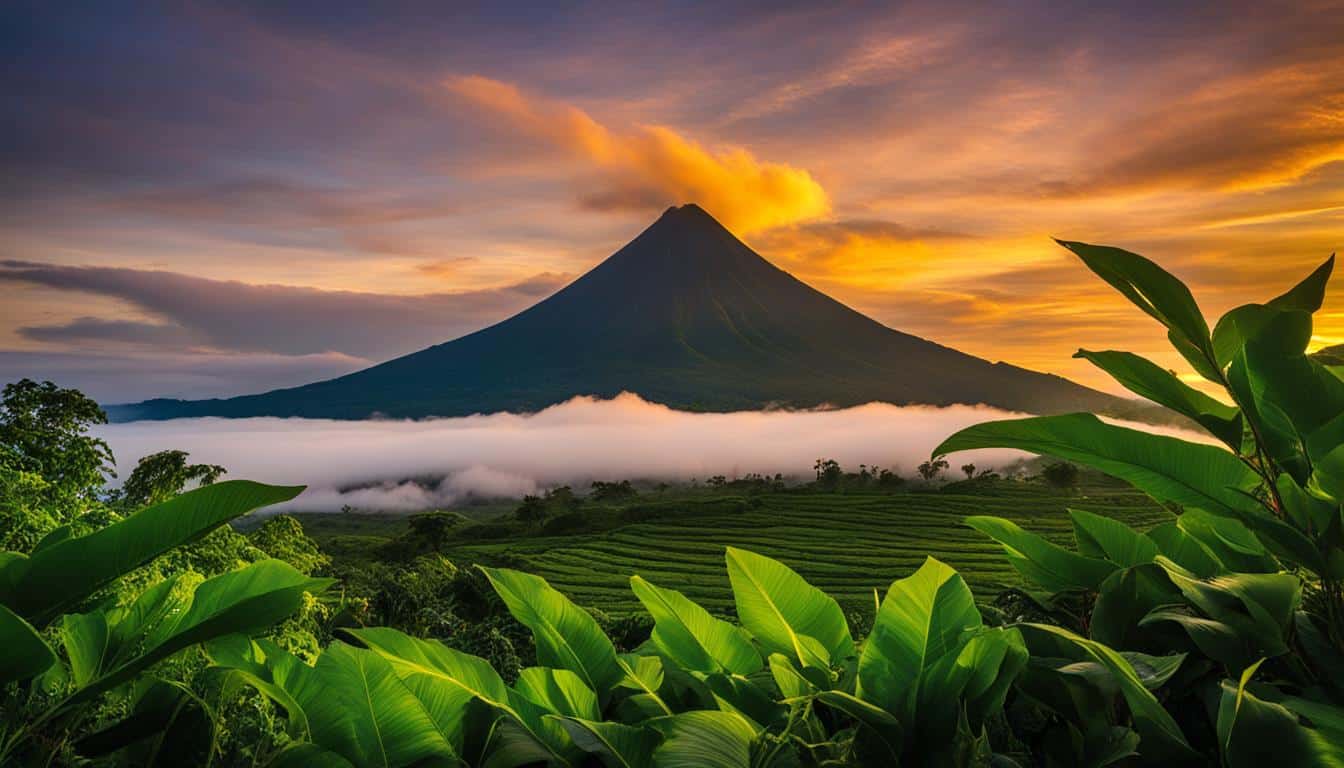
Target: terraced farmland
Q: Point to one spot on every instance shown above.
(847, 544)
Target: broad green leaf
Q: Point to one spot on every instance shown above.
(1244, 322)
(785, 613)
(447, 680)
(882, 728)
(1161, 737)
(1257, 607)
(791, 682)
(615, 744)
(1308, 295)
(1215, 639)
(1082, 693)
(1154, 671)
(1184, 549)
(247, 600)
(1159, 294)
(1124, 600)
(1048, 565)
(26, 654)
(1166, 468)
(1271, 377)
(1150, 381)
(1229, 542)
(86, 639)
(153, 615)
(1327, 477)
(559, 691)
(358, 707)
(1308, 513)
(61, 575)
(1110, 539)
(909, 661)
(266, 667)
(746, 696)
(567, 636)
(688, 635)
(703, 739)
(644, 674)
(1254, 732)
(992, 658)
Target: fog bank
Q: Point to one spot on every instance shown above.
(367, 464)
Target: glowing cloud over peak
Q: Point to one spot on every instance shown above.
(653, 165)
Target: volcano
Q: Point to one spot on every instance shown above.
(685, 315)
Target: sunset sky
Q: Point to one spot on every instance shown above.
(210, 200)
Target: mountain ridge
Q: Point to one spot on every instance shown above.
(686, 315)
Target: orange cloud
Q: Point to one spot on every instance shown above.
(656, 166)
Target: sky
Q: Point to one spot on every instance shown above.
(213, 199)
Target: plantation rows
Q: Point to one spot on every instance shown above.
(845, 544)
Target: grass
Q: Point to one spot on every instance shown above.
(848, 544)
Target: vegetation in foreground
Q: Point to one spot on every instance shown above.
(1215, 638)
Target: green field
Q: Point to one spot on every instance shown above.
(847, 544)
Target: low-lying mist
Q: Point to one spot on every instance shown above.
(413, 465)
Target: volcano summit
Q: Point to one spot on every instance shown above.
(685, 315)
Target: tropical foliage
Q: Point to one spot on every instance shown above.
(1215, 637)
(1223, 630)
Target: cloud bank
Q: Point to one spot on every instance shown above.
(370, 464)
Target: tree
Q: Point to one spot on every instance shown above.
(163, 475)
(829, 474)
(43, 430)
(1061, 474)
(969, 469)
(532, 510)
(612, 491)
(434, 528)
(933, 468)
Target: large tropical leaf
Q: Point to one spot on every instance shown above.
(60, 575)
(26, 654)
(245, 601)
(993, 657)
(1161, 737)
(785, 613)
(688, 635)
(1182, 548)
(1051, 566)
(266, 667)
(447, 680)
(567, 636)
(1124, 600)
(703, 739)
(1254, 732)
(1159, 294)
(909, 661)
(1166, 468)
(358, 707)
(879, 729)
(617, 745)
(1247, 321)
(559, 691)
(1242, 616)
(1110, 539)
(1151, 381)
(1270, 376)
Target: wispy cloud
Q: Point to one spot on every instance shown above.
(290, 320)
(654, 166)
